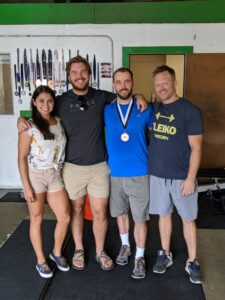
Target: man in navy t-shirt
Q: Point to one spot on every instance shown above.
(175, 154)
(127, 150)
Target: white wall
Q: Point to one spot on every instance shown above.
(205, 38)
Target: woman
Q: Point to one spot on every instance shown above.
(40, 158)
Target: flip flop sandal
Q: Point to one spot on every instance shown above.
(78, 257)
(104, 262)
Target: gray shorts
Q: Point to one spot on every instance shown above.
(165, 193)
(130, 192)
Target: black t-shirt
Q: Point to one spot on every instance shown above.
(169, 146)
(84, 128)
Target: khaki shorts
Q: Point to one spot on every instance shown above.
(92, 179)
(48, 180)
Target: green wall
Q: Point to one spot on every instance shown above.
(211, 11)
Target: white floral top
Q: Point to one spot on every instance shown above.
(46, 154)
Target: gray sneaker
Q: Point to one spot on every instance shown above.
(139, 268)
(122, 258)
(193, 269)
(163, 262)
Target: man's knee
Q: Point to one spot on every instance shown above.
(99, 213)
(165, 217)
(140, 225)
(189, 223)
(77, 207)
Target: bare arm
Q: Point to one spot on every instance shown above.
(22, 124)
(188, 185)
(23, 151)
(142, 104)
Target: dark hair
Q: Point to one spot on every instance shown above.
(77, 59)
(123, 70)
(164, 68)
(37, 118)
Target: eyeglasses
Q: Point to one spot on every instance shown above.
(83, 103)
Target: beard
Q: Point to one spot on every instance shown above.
(167, 94)
(124, 97)
(79, 88)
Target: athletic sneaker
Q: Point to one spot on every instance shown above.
(44, 270)
(60, 261)
(139, 268)
(122, 258)
(163, 262)
(193, 269)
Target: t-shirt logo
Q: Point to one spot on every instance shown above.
(163, 131)
(171, 118)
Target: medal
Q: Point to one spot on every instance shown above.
(124, 120)
(44, 67)
(25, 65)
(26, 71)
(67, 78)
(18, 74)
(22, 80)
(98, 77)
(32, 74)
(28, 78)
(50, 81)
(15, 78)
(56, 68)
(63, 81)
(94, 83)
(18, 85)
(90, 79)
(124, 137)
(38, 70)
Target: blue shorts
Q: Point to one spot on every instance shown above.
(165, 194)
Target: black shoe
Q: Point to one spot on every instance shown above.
(193, 269)
(163, 262)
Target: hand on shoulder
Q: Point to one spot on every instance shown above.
(23, 124)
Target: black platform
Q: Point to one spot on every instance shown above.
(19, 280)
(18, 276)
(12, 197)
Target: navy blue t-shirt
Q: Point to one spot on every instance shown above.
(169, 146)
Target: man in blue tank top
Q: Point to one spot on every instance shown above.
(175, 154)
(127, 150)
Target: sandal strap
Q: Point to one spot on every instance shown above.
(104, 255)
(78, 254)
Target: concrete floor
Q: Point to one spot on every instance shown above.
(11, 215)
(211, 246)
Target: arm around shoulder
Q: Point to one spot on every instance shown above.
(23, 124)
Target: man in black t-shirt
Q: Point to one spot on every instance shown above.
(175, 153)
(85, 169)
